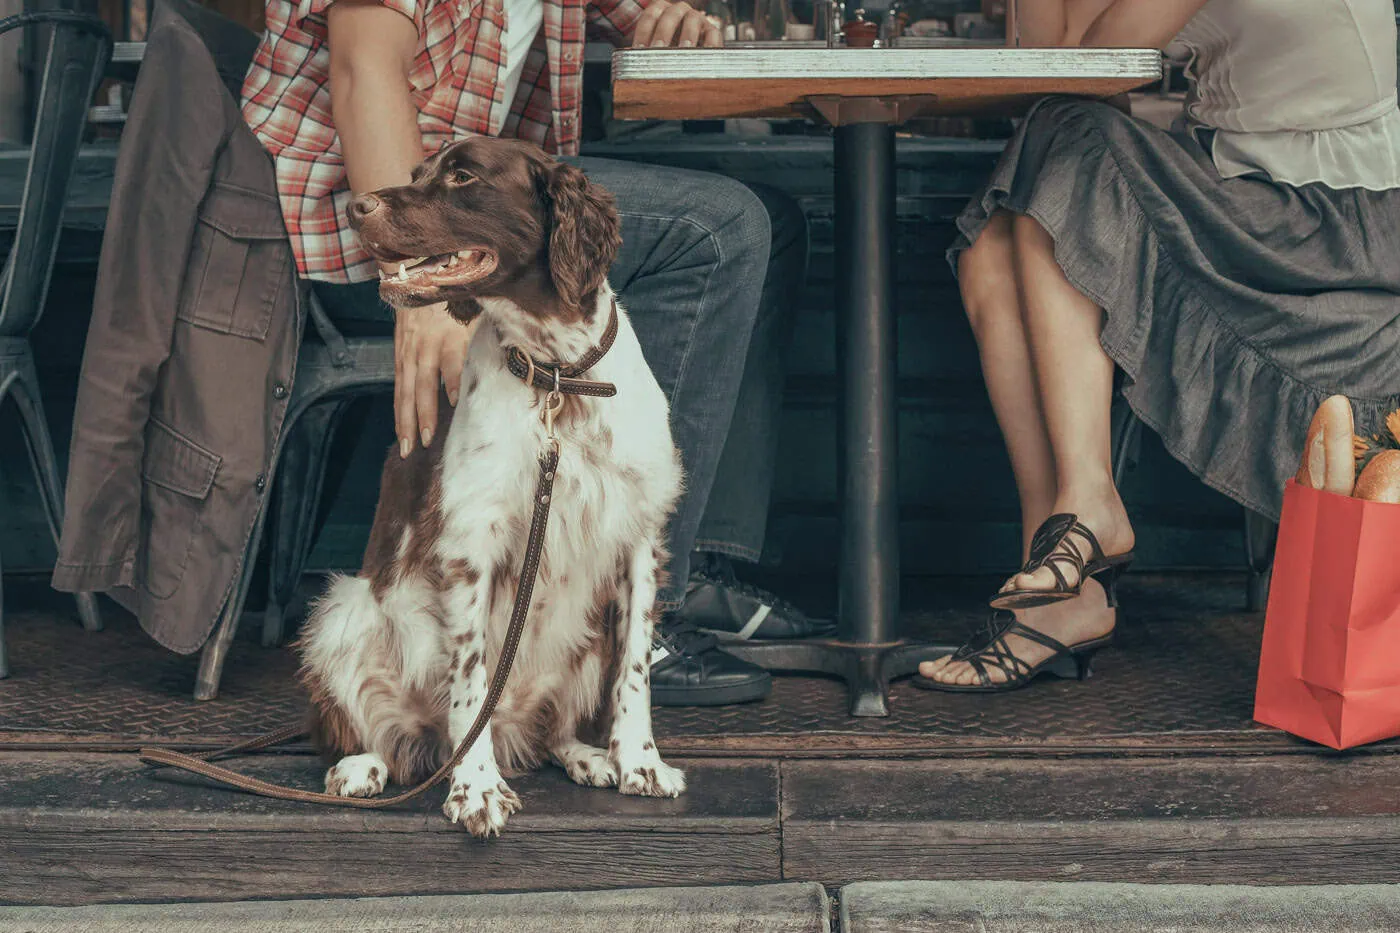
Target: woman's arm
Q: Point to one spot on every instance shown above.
(372, 49)
(1145, 24)
(1049, 23)
(1040, 23)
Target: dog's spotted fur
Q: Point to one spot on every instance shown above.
(398, 658)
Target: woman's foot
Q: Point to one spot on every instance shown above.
(1105, 517)
(1071, 622)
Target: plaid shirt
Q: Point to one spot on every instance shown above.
(456, 77)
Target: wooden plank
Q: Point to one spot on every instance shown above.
(88, 865)
(116, 793)
(1311, 819)
(725, 83)
(77, 829)
(770, 908)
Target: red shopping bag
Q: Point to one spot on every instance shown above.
(1329, 670)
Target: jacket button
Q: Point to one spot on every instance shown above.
(261, 482)
(279, 391)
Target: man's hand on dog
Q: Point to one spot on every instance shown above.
(665, 24)
(430, 349)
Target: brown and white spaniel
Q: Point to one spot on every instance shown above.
(397, 659)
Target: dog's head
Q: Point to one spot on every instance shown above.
(491, 218)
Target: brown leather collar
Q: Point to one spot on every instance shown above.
(562, 378)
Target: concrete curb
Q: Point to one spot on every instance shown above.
(1070, 907)
(777, 908)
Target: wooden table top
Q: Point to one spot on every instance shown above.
(707, 84)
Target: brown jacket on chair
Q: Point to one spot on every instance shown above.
(190, 355)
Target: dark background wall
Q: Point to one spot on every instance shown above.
(957, 500)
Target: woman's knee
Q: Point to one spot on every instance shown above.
(1028, 234)
(987, 275)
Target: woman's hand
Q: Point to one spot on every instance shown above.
(430, 349)
(665, 23)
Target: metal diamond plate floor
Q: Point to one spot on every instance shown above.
(1181, 678)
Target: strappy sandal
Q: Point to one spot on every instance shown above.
(991, 648)
(1051, 547)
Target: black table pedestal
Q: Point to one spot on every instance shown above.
(869, 650)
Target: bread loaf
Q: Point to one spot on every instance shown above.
(1328, 459)
(1312, 472)
(1380, 481)
(1337, 429)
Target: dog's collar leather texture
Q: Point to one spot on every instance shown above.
(564, 378)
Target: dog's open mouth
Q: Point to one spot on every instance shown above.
(443, 270)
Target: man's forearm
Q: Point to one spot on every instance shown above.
(378, 127)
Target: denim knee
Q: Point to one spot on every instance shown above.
(786, 220)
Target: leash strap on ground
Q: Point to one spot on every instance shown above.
(202, 765)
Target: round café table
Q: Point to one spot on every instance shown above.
(863, 94)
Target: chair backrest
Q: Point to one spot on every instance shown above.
(78, 49)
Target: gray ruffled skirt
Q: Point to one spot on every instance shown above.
(1234, 306)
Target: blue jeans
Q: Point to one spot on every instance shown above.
(708, 271)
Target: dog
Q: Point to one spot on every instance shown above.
(397, 659)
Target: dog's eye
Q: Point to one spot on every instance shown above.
(460, 176)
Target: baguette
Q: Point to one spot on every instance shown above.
(1312, 472)
(1335, 417)
(1380, 481)
(1328, 459)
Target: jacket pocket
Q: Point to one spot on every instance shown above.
(177, 476)
(238, 263)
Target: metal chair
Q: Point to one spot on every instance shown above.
(1260, 533)
(78, 49)
(296, 518)
(331, 372)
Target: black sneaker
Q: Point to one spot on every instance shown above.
(688, 669)
(715, 601)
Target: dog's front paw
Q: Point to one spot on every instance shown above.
(591, 769)
(482, 810)
(357, 776)
(654, 779)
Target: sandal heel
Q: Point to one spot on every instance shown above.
(1109, 576)
(1066, 667)
(1077, 665)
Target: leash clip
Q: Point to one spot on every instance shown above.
(552, 403)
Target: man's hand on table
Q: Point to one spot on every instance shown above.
(430, 349)
(664, 24)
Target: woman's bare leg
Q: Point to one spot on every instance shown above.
(989, 282)
(1076, 388)
(991, 296)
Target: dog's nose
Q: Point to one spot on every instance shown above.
(363, 206)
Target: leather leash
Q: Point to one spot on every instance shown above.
(557, 379)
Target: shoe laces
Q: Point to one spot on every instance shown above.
(682, 638)
(722, 574)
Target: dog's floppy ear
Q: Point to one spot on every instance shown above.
(584, 232)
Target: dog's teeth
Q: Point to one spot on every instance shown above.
(402, 267)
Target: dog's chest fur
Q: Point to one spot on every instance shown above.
(617, 478)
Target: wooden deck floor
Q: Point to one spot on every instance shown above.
(1151, 772)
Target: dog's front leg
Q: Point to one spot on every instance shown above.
(479, 798)
(631, 747)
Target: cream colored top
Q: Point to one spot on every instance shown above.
(1302, 90)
